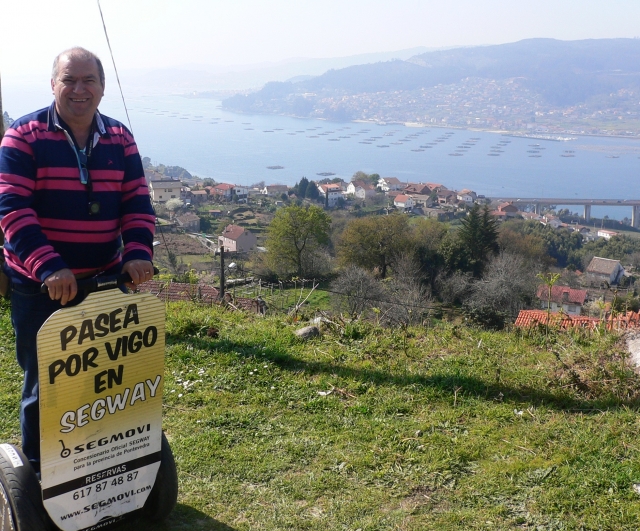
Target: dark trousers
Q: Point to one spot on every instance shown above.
(29, 310)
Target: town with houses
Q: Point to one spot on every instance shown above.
(432, 200)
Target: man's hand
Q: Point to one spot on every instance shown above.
(62, 286)
(139, 270)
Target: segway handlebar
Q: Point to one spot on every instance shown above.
(90, 285)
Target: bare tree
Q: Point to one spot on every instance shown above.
(507, 286)
(455, 287)
(407, 298)
(355, 291)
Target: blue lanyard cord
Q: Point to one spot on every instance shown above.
(82, 161)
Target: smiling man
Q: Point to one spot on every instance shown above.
(73, 204)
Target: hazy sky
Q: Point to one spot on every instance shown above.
(153, 33)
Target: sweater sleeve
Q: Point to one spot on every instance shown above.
(27, 249)
(137, 218)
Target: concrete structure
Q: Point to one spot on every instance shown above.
(537, 203)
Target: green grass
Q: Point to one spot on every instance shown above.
(440, 429)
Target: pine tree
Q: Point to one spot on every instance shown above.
(479, 238)
(302, 187)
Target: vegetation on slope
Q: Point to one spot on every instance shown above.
(429, 428)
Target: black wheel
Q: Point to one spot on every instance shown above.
(21, 506)
(164, 494)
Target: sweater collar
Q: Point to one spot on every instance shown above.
(54, 122)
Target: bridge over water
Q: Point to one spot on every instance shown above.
(536, 203)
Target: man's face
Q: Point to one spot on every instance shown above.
(77, 90)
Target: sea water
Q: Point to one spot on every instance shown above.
(197, 134)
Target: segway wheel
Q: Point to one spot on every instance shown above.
(21, 506)
(164, 494)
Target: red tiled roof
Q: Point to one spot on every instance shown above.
(401, 198)
(574, 296)
(224, 186)
(530, 318)
(232, 232)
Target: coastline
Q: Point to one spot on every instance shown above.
(421, 125)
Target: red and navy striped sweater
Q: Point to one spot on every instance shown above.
(44, 207)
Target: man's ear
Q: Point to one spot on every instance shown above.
(53, 84)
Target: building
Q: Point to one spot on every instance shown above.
(242, 192)
(606, 234)
(161, 190)
(223, 191)
(509, 209)
(275, 190)
(418, 189)
(604, 270)
(405, 202)
(361, 190)
(198, 196)
(330, 193)
(446, 197)
(189, 222)
(468, 196)
(237, 239)
(569, 300)
(387, 184)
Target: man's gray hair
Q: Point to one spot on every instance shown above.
(79, 53)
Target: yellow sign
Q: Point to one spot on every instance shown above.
(101, 372)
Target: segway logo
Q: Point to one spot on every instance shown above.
(104, 441)
(111, 405)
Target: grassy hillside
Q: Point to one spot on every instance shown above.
(434, 428)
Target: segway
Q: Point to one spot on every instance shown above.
(104, 457)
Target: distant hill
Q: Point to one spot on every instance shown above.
(209, 78)
(545, 71)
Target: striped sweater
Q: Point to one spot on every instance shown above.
(44, 209)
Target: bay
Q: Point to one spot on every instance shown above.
(199, 135)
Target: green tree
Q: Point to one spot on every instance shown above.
(375, 242)
(312, 191)
(428, 235)
(479, 236)
(294, 233)
(302, 187)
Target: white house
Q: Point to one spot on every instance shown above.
(161, 190)
(404, 202)
(606, 234)
(387, 184)
(275, 190)
(468, 196)
(361, 190)
(241, 191)
(331, 193)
